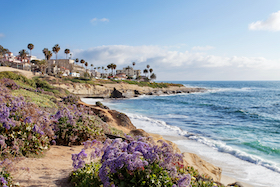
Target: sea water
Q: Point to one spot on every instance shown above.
(234, 125)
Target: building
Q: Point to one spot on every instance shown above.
(130, 72)
(67, 67)
(121, 76)
(95, 73)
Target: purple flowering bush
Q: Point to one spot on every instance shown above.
(138, 162)
(19, 135)
(6, 166)
(9, 83)
(73, 126)
(27, 128)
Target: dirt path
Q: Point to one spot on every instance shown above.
(51, 170)
(27, 74)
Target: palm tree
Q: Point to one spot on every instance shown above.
(23, 53)
(133, 63)
(114, 66)
(91, 66)
(55, 49)
(67, 51)
(86, 64)
(82, 62)
(30, 47)
(151, 71)
(148, 66)
(109, 66)
(48, 55)
(42, 64)
(76, 60)
(145, 72)
(153, 76)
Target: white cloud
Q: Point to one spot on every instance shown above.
(95, 20)
(272, 23)
(202, 48)
(2, 35)
(174, 63)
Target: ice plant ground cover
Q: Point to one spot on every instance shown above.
(133, 162)
(27, 128)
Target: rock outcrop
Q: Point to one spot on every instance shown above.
(116, 94)
(121, 90)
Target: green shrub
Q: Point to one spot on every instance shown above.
(152, 175)
(87, 176)
(23, 140)
(42, 100)
(18, 77)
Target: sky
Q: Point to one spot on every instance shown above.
(183, 40)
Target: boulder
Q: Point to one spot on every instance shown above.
(116, 94)
(122, 119)
(139, 132)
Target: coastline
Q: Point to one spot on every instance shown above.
(162, 93)
(224, 179)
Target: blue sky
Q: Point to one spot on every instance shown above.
(180, 40)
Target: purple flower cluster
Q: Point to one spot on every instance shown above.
(133, 155)
(3, 182)
(9, 83)
(78, 159)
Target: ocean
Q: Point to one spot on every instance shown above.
(234, 125)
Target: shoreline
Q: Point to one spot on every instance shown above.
(225, 179)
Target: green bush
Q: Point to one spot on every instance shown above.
(152, 175)
(18, 77)
(86, 176)
(23, 140)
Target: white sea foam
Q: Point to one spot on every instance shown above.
(219, 149)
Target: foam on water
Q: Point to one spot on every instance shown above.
(232, 161)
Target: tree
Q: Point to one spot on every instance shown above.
(55, 49)
(151, 71)
(145, 72)
(86, 64)
(67, 51)
(30, 47)
(133, 63)
(91, 66)
(82, 62)
(109, 66)
(48, 55)
(43, 64)
(76, 60)
(148, 66)
(114, 66)
(3, 51)
(23, 53)
(153, 76)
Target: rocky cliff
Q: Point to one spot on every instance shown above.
(121, 90)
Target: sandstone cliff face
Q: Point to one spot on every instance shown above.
(126, 90)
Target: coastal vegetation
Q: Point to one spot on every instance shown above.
(110, 81)
(35, 115)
